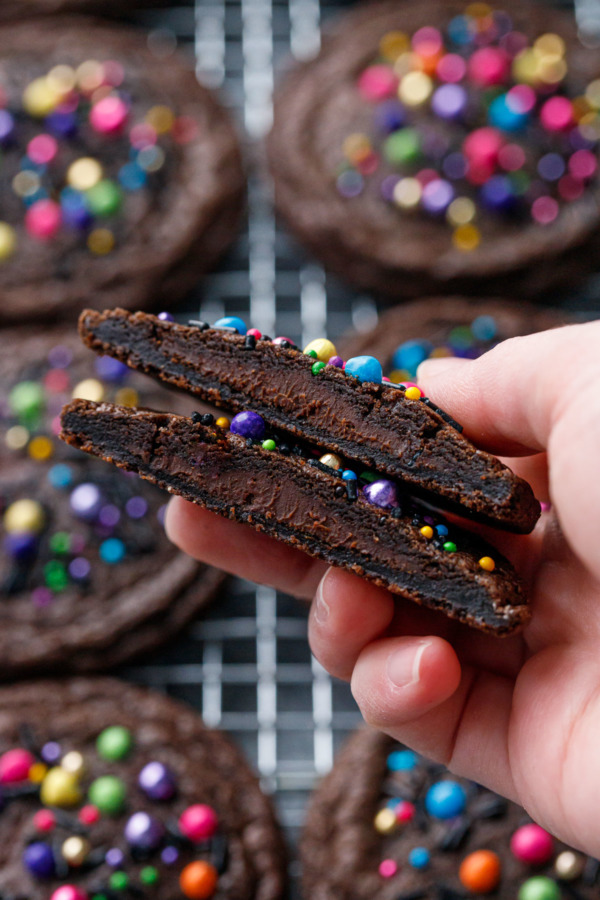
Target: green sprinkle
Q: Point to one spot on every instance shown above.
(312, 354)
(55, 576)
(114, 742)
(402, 147)
(269, 444)
(60, 542)
(149, 875)
(99, 897)
(317, 367)
(368, 476)
(450, 547)
(118, 881)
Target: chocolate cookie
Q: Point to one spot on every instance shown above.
(10, 10)
(87, 576)
(113, 791)
(452, 326)
(437, 148)
(121, 175)
(386, 824)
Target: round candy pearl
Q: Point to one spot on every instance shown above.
(198, 880)
(497, 193)
(104, 198)
(255, 333)
(568, 865)
(488, 66)
(108, 115)
(365, 368)
(15, 765)
(248, 424)
(42, 149)
(73, 762)
(482, 146)
(388, 868)
(402, 761)
(336, 361)
(110, 369)
(280, 339)
(143, 830)
(84, 173)
(24, 516)
(377, 83)
(115, 742)
(157, 781)
(411, 354)
(7, 126)
(437, 196)
(38, 859)
(8, 240)
(43, 219)
(405, 811)
(480, 871)
(531, 844)
(331, 460)
(44, 820)
(108, 793)
(40, 98)
(231, 322)
(449, 101)
(539, 888)
(445, 799)
(506, 115)
(385, 821)
(198, 822)
(88, 814)
(557, 114)
(419, 858)
(381, 493)
(60, 788)
(323, 348)
(85, 501)
(68, 892)
(75, 850)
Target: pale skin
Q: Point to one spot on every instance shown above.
(520, 714)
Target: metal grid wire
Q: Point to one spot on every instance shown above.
(247, 666)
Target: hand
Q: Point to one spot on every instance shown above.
(521, 714)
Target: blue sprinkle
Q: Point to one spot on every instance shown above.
(232, 322)
(365, 368)
(112, 551)
(441, 530)
(506, 116)
(484, 328)
(349, 475)
(445, 799)
(60, 476)
(132, 177)
(460, 30)
(402, 761)
(419, 857)
(411, 354)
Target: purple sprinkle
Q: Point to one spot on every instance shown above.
(7, 125)
(21, 545)
(61, 122)
(350, 183)
(169, 855)
(85, 500)
(136, 508)
(109, 516)
(551, 167)
(336, 361)
(582, 140)
(497, 193)
(387, 187)
(60, 357)
(390, 116)
(381, 493)
(449, 101)
(41, 596)
(51, 752)
(437, 196)
(428, 520)
(514, 42)
(110, 369)
(114, 857)
(79, 568)
(248, 424)
(455, 166)
(165, 317)
(161, 513)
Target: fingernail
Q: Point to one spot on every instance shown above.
(404, 664)
(321, 605)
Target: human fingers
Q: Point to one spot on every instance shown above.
(240, 550)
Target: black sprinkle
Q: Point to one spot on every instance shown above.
(297, 450)
(415, 521)
(392, 384)
(284, 448)
(140, 854)
(448, 418)
(383, 520)
(249, 342)
(426, 401)
(352, 489)
(207, 419)
(285, 344)
(15, 793)
(340, 490)
(65, 820)
(421, 818)
(219, 852)
(15, 581)
(396, 512)
(196, 418)
(489, 806)
(591, 870)
(198, 324)
(455, 835)
(266, 337)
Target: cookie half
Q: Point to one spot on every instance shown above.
(87, 576)
(386, 824)
(121, 175)
(110, 790)
(441, 148)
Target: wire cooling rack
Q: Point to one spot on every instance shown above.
(247, 666)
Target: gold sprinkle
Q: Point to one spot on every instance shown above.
(100, 241)
(90, 75)
(40, 448)
(8, 240)
(393, 44)
(466, 237)
(385, 821)
(160, 118)
(89, 389)
(127, 396)
(61, 79)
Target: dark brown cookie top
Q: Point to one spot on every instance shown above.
(446, 326)
(121, 175)
(342, 142)
(87, 575)
(10, 10)
(110, 790)
(386, 824)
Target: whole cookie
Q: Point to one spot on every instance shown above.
(87, 576)
(452, 326)
(113, 791)
(440, 148)
(386, 824)
(121, 175)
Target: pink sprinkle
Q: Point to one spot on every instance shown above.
(479, 172)
(56, 426)
(451, 68)
(511, 157)
(42, 149)
(488, 66)
(583, 164)
(482, 146)
(278, 340)
(384, 378)
(521, 98)
(531, 844)
(388, 868)
(570, 188)
(427, 41)
(546, 507)
(425, 176)
(368, 164)
(377, 83)
(42, 219)
(544, 210)
(556, 114)
(108, 115)
(89, 814)
(15, 765)
(142, 135)
(56, 381)
(255, 333)
(44, 820)
(405, 811)
(41, 597)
